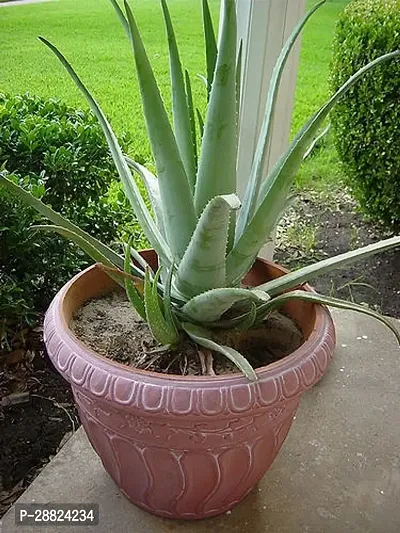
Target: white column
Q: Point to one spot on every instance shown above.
(264, 26)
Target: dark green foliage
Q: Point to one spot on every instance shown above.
(366, 123)
(66, 149)
(61, 156)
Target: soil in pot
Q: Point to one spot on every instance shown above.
(111, 328)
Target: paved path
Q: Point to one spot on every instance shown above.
(338, 472)
(21, 2)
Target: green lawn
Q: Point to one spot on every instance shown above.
(322, 171)
(88, 32)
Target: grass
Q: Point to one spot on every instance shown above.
(89, 34)
(322, 171)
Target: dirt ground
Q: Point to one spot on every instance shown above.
(314, 230)
(38, 420)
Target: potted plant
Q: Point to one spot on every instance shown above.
(192, 446)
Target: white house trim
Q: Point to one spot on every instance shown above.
(263, 26)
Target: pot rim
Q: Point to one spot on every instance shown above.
(322, 328)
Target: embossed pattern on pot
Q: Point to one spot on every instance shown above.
(184, 447)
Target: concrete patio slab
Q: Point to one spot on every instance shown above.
(338, 472)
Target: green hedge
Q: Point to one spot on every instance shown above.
(366, 123)
(60, 154)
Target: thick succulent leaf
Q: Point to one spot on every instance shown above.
(246, 319)
(153, 191)
(167, 314)
(316, 141)
(169, 317)
(231, 323)
(203, 79)
(122, 275)
(131, 190)
(90, 249)
(133, 294)
(276, 188)
(211, 45)
(180, 109)
(189, 97)
(134, 298)
(239, 81)
(286, 168)
(59, 220)
(163, 332)
(314, 297)
(137, 258)
(203, 265)
(217, 165)
(289, 201)
(305, 274)
(202, 337)
(85, 245)
(201, 122)
(121, 16)
(249, 321)
(258, 167)
(211, 305)
(177, 200)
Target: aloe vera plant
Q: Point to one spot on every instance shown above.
(206, 239)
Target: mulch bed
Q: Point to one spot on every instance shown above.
(37, 415)
(339, 227)
(32, 431)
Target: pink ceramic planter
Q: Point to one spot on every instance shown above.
(183, 447)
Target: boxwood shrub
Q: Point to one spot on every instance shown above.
(366, 123)
(60, 154)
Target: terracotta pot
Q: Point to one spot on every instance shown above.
(185, 447)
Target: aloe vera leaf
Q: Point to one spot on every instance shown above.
(189, 97)
(217, 164)
(202, 337)
(121, 16)
(257, 171)
(332, 302)
(250, 320)
(173, 182)
(133, 294)
(200, 120)
(305, 274)
(131, 190)
(203, 265)
(153, 190)
(211, 305)
(59, 220)
(161, 330)
(211, 45)
(276, 188)
(239, 81)
(90, 249)
(180, 108)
